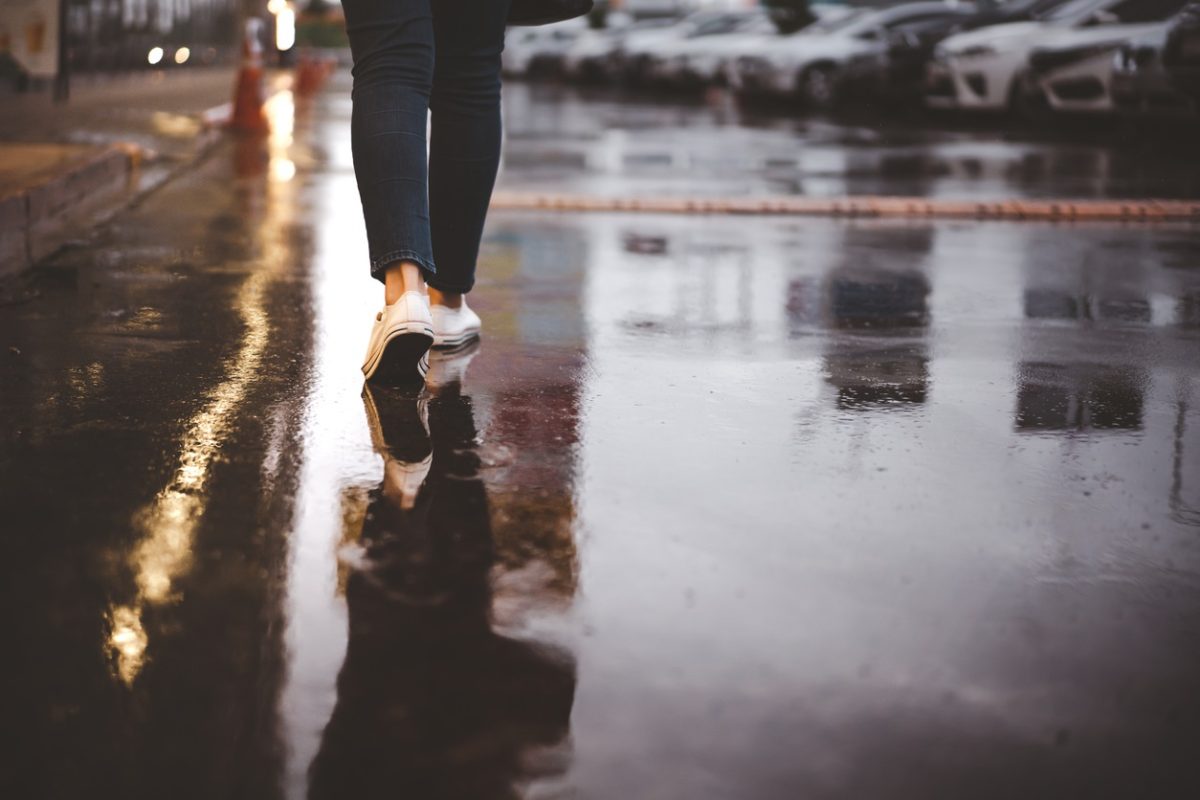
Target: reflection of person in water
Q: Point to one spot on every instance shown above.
(431, 701)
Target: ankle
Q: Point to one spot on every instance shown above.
(401, 277)
(447, 299)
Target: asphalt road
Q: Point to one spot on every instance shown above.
(720, 507)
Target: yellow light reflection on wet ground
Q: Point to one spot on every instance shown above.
(169, 523)
(281, 113)
(128, 641)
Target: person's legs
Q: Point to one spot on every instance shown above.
(393, 46)
(465, 142)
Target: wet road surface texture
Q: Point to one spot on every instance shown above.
(606, 142)
(719, 507)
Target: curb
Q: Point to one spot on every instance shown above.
(868, 207)
(37, 220)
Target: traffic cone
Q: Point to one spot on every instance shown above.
(248, 115)
(309, 75)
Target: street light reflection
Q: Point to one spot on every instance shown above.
(282, 169)
(281, 113)
(128, 639)
(169, 524)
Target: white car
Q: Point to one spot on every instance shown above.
(592, 55)
(702, 61)
(638, 50)
(985, 69)
(528, 50)
(807, 64)
(1074, 71)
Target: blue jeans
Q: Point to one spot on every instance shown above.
(412, 57)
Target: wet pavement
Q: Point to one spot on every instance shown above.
(158, 111)
(608, 142)
(720, 507)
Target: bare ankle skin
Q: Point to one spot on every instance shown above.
(401, 277)
(447, 299)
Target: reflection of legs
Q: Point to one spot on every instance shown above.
(465, 145)
(431, 701)
(393, 46)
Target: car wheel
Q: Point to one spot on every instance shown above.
(818, 86)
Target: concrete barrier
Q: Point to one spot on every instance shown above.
(36, 220)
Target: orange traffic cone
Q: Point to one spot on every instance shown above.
(248, 115)
(309, 75)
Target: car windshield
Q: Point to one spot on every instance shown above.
(700, 20)
(838, 22)
(1070, 10)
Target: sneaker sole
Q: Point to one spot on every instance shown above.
(449, 343)
(402, 359)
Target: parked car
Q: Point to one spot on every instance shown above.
(633, 58)
(689, 63)
(1181, 53)
(592, 56)
(985, 69)
(811, 63)
(1074, 71)
(540, 50)
(896, 76)
(1140, 83)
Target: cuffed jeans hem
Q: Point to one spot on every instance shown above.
(378, 265)
(451, 288)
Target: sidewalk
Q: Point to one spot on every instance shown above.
(730, 506)
(65, 167)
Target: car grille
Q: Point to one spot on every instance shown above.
(1043, 61)
(1078, 89)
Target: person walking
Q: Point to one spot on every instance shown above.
(424, 209)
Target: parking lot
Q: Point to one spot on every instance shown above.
(1035, 62)
(756, 506)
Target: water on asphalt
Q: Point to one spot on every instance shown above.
(719, 507)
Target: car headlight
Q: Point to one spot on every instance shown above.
(1124, 61)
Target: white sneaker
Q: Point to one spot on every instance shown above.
(398, 351)
(402, 480)
(454, 327)
(450, 366)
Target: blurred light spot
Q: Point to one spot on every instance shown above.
(182, 55)
(178, 125)
(128, 642)
(155, 55)
(280, 109)
(285, 29)
(282, 170)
